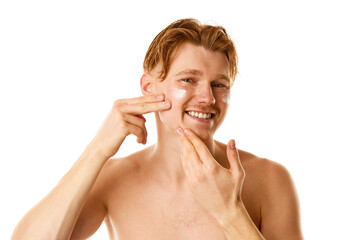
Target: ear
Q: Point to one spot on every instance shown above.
(145, 84)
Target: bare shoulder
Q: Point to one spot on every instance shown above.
(267, 179)
(262, 171)
(280, 213)
(271, 173)
(271, 177)
(129, 167)
(95, 208)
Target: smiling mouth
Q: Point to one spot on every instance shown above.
(200, 115)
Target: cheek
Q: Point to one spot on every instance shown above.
(177, 93)
(176, 96)
(225, 98)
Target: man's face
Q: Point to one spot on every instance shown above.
(198, 87)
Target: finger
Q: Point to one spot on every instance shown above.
(134, 119)
(142, 99)
(137, 131)
(189, 156)
(141, 116)
(140, 122)
(187, 147)
(234, 158)
(145, 107)
(202, 150)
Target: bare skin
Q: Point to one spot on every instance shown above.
(187, 186)
(168, 210)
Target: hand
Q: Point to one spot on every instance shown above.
(126, 118)
(216, 188)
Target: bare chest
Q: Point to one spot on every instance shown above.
(154, 213)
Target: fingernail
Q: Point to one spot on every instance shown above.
(160, 97)
(232, 144)
(179, 131)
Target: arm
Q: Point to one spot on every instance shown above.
(280, 211)
(94, 209)
(55, 216)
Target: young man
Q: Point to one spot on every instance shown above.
(187, 185)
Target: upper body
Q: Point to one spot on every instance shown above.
(138, 199)
(187, 185)
(147, 195)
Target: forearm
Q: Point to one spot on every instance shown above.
(55, 216)
(237, 224)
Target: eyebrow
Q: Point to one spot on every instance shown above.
(199, 73)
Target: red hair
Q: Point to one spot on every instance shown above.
(164, 46)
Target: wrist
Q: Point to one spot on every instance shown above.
(231, 214)
(237, 223)
(95, 152)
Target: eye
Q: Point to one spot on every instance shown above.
(219, 85)
(187, 80)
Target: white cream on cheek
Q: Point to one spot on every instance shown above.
(178, 93)
(226, 98)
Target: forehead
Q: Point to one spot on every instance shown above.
(196, 58)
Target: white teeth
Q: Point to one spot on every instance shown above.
(200, 115)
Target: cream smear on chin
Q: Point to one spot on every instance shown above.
(226, 98)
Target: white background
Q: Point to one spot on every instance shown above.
(295, 101)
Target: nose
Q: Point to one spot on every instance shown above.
(205, 95)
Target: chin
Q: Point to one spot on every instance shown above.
(204, 134)
(204, 137)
